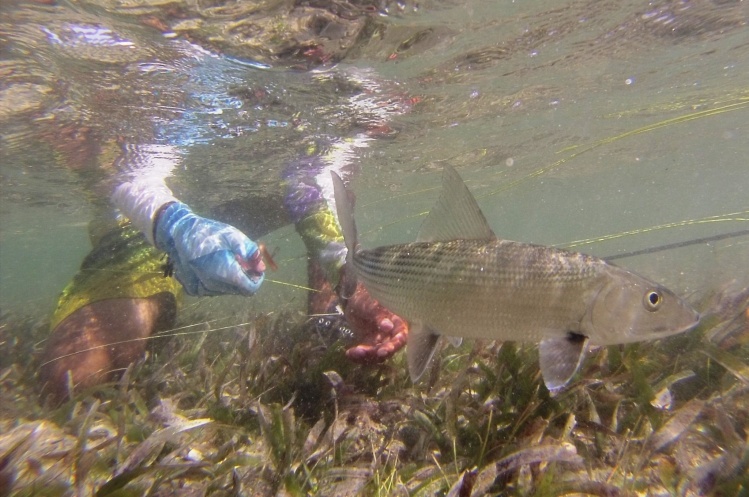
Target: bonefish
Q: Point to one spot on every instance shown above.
(458, 279)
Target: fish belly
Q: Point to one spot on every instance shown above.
(484, 288)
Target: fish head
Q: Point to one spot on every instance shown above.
(629, 308)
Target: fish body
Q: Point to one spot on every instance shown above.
(458, 279)
(483, 288)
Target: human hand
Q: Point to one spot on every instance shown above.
(208, 257)
(382, 333)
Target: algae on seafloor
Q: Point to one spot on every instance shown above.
(240, 415)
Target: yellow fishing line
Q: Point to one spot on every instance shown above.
(732, 217)
(401, 195)
(741, 104)
(381, 227)
(299, 287)
(141, 339)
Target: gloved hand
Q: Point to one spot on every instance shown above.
(208, 257)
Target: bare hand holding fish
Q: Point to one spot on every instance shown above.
(386, 333)
(458, 279)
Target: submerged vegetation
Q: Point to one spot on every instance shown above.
(271, 407)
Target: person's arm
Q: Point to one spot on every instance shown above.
(310, 204)
(141, 190)
(208, 257)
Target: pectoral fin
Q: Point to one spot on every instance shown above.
(422, 343)
(560, 358)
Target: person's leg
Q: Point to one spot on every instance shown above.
(98, 341)
(118, 299)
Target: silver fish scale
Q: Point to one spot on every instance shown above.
(478, 288)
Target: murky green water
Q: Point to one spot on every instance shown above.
(615, 128)
(572, 122)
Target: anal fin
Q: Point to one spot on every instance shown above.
(560, 358)
(421, 346)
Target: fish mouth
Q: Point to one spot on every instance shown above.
(697, 319)
(665, 331)
(660, 332)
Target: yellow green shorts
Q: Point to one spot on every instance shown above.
(121, 265)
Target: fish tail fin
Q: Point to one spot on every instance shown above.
(344, 203)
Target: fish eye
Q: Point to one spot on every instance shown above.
(652, 300)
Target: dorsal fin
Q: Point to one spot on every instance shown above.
(456, 215)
